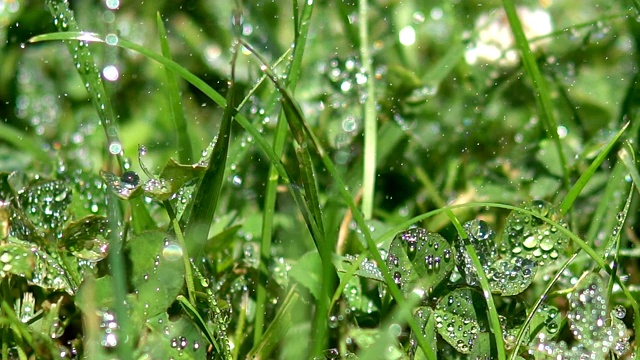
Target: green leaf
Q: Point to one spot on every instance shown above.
(532, 238)
(16, 259)
(46, 205)
(172, 177)
(308, 272)
(157, 271)
(460, 316)
(419, 260)
(426, 321)
(512, 276)
(171, 338)
(482, 238)
(87, 238)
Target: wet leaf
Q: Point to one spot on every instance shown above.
(157, 271)
(45, 204)
(16, 259)
(171, 179)
(21, 228)
(426, 321)
(509, 277)
(87, 238)
(460, 317)
(530, 237)
(367, 269)
(482, 238)
(48, 273)
(89, 195)
(419, 260)
(178, 339)
(588, 309)
(123, 189)
(596, 330)
(459, 331)
(17, 181)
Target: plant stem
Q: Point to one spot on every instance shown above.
(370, 124)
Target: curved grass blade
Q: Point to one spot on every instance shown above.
(314, 217)
(185, 153)
(540, 87)
(208, 191)
(197, 319)
(629, 161)
(300, 32)
(541, 299)
(301, 132)
(88, 71)
(586, 176)
(494, 322)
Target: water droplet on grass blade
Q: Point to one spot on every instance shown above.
(111, 39)
(115, 148)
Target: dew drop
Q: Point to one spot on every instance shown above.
(115, 148)
(172, 252)
(130, 179)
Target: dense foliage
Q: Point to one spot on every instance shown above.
(392, 179)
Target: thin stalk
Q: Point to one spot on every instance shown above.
(534, 309)
(370, 117)
(118, 272)
(280, 137)
(188, 274)
(588, 174)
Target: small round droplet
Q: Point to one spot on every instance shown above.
(130, 179)
(172, 252)
(619, 311)
(115, 148)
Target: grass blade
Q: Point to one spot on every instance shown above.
(573, 194)
(185, 153)
(192, 312)
(208, 191)
(626, 156)
(370, 116)
(540, 87)
(88, 71)
(301, 31)
(119, 275)
(277, 329)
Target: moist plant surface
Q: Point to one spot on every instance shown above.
(319, 180)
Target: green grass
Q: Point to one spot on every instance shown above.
(295, 180)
